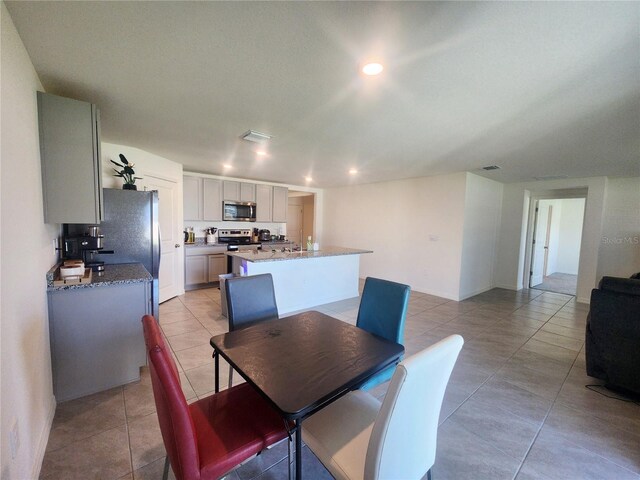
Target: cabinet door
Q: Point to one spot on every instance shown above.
(263, 203)
(195, 270)
(231, 190)
(192, 197)
(71, 167)
(247, 192)
(217, 266)
(212, 200)
(280, 199)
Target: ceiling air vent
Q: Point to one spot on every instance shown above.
(491, 167)
(257, 137)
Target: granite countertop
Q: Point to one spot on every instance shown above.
(201, 242)
(112, 275)
(268, 256)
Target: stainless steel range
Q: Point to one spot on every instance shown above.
(237, 240)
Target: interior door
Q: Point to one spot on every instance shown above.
(294, 224)
(170, 275)
(539, 243)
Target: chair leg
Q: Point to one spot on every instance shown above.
(165, 475)
(230, 376)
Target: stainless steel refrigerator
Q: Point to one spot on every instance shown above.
(130, 228)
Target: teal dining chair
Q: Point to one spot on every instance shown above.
(383, 309)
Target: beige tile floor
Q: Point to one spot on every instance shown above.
(516, 405)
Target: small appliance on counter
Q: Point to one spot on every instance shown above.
(189, 236)
(84, 247)
(264, 235)
(255, 236)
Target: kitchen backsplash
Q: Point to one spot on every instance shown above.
(200, 227)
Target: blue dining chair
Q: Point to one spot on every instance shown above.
(383, 309)
(250, 300)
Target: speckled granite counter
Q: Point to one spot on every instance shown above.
(269, 256)
(113, 275)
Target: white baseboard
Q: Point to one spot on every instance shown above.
(586, 300)
(44, 438)
(474, 293)
(507, 287)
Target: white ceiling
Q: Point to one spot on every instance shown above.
(539, 88)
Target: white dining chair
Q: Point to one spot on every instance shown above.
(357, 437)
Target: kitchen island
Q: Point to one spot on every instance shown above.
(95, 330)
(305, 279)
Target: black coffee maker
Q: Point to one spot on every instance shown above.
(85, 246)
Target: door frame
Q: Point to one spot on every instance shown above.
(559, 194)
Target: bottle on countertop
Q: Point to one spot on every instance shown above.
(309, 244)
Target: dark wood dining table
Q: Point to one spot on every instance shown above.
(302, 363)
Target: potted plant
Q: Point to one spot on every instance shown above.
(126, 173)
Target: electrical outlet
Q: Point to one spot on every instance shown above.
(14, 439)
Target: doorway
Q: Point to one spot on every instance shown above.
(300, 217)
(555, 249)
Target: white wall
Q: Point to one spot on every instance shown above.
(26, 255)
(482, 209)
(619, 254)
(510, 261)
(569, 235)
(414, 227)
(145, 164)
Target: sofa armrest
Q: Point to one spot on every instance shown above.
(629, 286)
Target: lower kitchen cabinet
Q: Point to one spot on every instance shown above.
(195, 270)
(217, 266)
(96, 337)
(203, 264)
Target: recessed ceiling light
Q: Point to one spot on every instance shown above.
(308, 179)
(372, 69)
(353, 171)
(261, 153)
(226, 166)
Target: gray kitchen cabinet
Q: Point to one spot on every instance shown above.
(70, 156)
(247, 192)
(96, 337)
(231, 190)
(195, 270)
(212, 200)
(264, 194)
(217, 266)
(203, 264)
(192, 197)
(280, 201)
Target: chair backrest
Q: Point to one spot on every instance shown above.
(176, 424)
(250, 300)
(383, 308)
(403, 440)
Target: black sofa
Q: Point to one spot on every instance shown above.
(613, 333)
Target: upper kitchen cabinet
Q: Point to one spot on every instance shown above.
(247, 192)
(70, 155)
(280, 201)
(212, 200)
(231, 190)
(239, 191)
(264, 194)
(192, 197)
(202, 198)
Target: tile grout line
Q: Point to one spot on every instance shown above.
(126, 423)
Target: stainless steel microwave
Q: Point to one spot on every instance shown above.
(239, 211)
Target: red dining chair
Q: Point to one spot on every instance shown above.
(210, 437)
